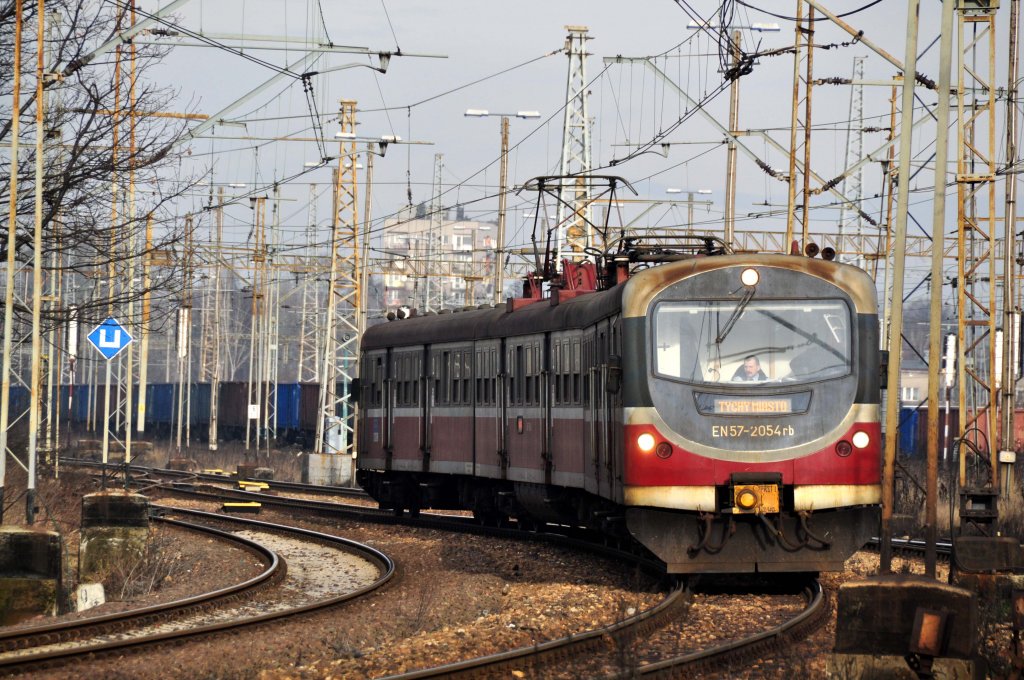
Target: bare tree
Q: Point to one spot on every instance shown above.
(110, 163)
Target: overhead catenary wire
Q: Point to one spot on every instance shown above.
(202, 38)
(789, 18)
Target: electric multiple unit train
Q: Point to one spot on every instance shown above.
(721, 410)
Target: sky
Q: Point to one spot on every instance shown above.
(512, 50)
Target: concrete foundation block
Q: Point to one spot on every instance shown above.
(328, 469)
(115, 530)
(22, 599)
(104, 548)
(182, 464)
(876, 615)
(115, 507)
(245, 470)
(876, 667)
(93, 449)
(263, 473)
(30, 573)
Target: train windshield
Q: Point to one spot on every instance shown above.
(753, 341)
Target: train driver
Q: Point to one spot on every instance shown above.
(750, 369)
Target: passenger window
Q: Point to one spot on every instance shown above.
(456, 374)
(378, 384)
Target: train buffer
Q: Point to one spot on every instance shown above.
(251, 507)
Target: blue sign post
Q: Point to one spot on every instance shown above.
(109, 338)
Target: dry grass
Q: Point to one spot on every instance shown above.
(286, 461)
(136, 576)
(910, 499)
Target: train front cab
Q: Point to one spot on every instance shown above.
(752, 413)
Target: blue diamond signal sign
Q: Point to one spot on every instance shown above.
(109, 338)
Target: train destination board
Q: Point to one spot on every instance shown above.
(748, 405)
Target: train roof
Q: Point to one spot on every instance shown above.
(481, 324)
(636, 293)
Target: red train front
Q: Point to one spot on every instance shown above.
(751, 413)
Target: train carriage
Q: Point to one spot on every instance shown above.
(635, 409)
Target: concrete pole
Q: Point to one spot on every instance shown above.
(37, 276)
(794, 124)
(808, 88)
(215, 331)
(892, 401)
(144, 326)
(730, 162)
(12, 244)
(364, 283)
(132, 247)
(935, 309)
(364, 246)
(1010, 338)
(499, 246)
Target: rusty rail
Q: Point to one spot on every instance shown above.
(59, 657)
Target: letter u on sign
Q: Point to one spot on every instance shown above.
(113, 340)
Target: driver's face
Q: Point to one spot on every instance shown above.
(751, 366)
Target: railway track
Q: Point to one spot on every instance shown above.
(606, 640)
(603, 646)
(58, 644)
(142, 472)
(726, 655)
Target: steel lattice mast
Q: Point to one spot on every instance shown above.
(573, 210)
(853, 184)
(433, 296)
(341, 338)
(976, 193)
(308, 369)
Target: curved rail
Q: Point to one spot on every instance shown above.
(553, 650)
(57, 657)
(35, 636)
(565, 536)
(351, 491)
(637, 627)
(796, 628)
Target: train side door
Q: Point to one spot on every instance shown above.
(581, 373)
(419, 364)
(600, 359)
(502, 397)
(545, 405)
(427, 392)
(614, 397)
(388, 377)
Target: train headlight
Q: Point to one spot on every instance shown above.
(645, 442)
(664, 450)
(746, 499)
(843, 448)
(749, 277)
(861, 440)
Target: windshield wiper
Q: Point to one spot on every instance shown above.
(811, 338)
(736, 314)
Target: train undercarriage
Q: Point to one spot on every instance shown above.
(693, 543)
(687, 542)
(493, 502)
